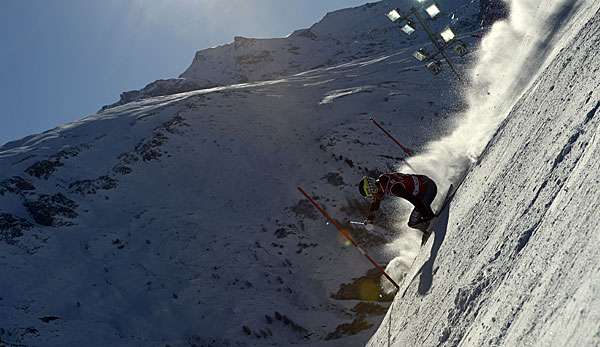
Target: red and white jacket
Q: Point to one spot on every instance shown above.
(410, 187)
(403, 185)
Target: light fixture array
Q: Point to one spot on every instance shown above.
(441, 41)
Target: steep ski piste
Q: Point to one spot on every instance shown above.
(509, 57)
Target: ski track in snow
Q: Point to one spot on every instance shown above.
(335, 94)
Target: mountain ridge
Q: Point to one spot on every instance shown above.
(332, 40)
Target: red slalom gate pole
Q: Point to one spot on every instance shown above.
(405, 149)
(346, 234)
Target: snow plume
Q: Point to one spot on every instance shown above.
(509, 56)
(508, 59)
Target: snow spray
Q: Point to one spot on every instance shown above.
(508, 59)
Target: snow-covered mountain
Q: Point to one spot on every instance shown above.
(172, 217)
(340, 37)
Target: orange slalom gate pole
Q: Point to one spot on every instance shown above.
(346, 234)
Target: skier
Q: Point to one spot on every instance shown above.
(419, 190)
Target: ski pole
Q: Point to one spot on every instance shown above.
(346, 234)
(406, 150)
(366, 225)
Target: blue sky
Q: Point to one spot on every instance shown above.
(63, 59)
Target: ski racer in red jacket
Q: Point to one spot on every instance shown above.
(419, 190)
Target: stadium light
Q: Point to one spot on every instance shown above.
(408, 28)
(421, 55)
(447, 35)
(433, 10)
(394, 15)
(442, 41)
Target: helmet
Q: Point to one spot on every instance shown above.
(368, 186)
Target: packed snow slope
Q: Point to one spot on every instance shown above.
(175, 220)
(515, 259)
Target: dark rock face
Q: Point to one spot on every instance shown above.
(122, 170)
(12, 227)
(125, 161)
(49, 210)
(243, 42)
(492, 11)
(149, 149)
(45, 168)
(15, 185)
(85, 187)
(173, 126)
(307, 33)
(263, 56)
(17, 335)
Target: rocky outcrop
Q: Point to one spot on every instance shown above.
(12, 227)
(45, 168)
(149, 149)
(15, 185)
(307, 33)
(85, 187)
(52, 210)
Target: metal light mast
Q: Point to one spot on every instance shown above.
(447, 36)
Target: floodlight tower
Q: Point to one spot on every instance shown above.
(447, 35)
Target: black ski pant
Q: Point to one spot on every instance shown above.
(416, 217)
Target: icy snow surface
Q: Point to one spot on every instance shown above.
(515, 260)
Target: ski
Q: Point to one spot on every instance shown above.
(409, 278)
